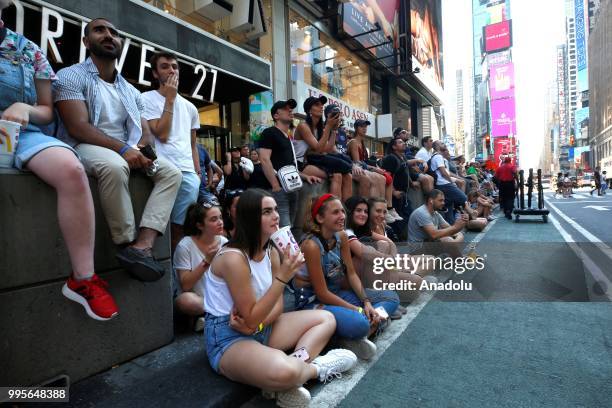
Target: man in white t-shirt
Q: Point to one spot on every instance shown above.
(174, 121)
(453, 195)
(425, 151)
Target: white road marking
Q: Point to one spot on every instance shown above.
(598, 207)
(334, 392)
(590, 237)
(596, 273)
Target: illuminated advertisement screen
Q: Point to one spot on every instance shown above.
(503, 114)
(503, 147)
(360, 18)
(426, 42)
(498, 36)
(501, 81)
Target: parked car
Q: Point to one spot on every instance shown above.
(585, 180)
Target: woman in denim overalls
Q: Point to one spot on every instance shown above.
(25, 98)
(329, 280)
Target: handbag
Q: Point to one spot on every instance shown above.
(289, 176)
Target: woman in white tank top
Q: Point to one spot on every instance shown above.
(247, 333)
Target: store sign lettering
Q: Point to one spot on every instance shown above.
(48, 43)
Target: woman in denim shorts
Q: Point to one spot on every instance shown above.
(329, 281)
(247, 333)
(25, 98)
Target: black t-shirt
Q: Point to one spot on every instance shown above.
(236, 180)
(258, 178)
(282, 154)
(394, 165)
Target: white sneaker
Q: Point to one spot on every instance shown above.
(199, 325)
(394, 213)
(389, 219)
(294, 398)
(334, 363)
(363, 348)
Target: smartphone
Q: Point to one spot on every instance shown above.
(382, 312)
(148, 152)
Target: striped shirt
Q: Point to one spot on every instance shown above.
(80, 82)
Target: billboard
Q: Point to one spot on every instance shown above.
(503, 116)
(497, 36)
(503, 147)
(581, 45)
(359, 19)
(426, 43)
(501, 81)
(259, 113)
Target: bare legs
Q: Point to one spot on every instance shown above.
(270, 368)
(190, 303)
(60, 168)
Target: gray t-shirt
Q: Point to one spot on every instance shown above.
(420, 218)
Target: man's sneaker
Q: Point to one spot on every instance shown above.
(140, 264)
(294, 398)
(93, 296)
(363, 348)
(334, 363)
(389, 219)
(394, 213)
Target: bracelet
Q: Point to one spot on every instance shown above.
(169, 111)
(360, 310)
(124, 149)
(282, 281)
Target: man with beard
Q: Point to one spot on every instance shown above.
(426, 224)
(174, 122)
(101, 115)
(275, 151)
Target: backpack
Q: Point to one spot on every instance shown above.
(431, 172)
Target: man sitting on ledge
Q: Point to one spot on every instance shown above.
(101, 113)
(427, 225)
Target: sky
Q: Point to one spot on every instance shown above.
(538, 27)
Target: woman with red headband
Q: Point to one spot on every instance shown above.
(329, 281)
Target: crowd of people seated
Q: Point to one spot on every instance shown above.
(222, 216)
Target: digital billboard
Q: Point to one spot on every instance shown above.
(359, 19)
(503, 147)
(497, 36)
(501, 81)
(426, 42)
(503, 114)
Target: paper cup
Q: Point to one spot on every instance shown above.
(9, 136)
(283, 238)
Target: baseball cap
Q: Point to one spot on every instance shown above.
(311, 100)
(282, 104)
(234, 149)
(331, 109)
(361, 122)
(397, 131)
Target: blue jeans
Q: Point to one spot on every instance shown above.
(351, 324)
(453, 196)
(187, 195)
(286, 204)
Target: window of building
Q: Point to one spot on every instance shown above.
(186, 11)
(323, 63)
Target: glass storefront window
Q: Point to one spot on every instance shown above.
(184, 10)
(323, 63)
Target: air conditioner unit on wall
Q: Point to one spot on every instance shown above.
(213, 9)
(247, 18)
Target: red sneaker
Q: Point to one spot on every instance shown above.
(93, 296)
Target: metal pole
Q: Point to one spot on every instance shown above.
(529, 188)
(522, 188)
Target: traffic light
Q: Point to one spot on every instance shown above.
(571, 140)
(488, 141)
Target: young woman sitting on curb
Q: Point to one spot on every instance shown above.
(203, 229)
(247, 333)
(329, 281)
(367, 245)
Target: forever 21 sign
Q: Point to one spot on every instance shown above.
(202, 78)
